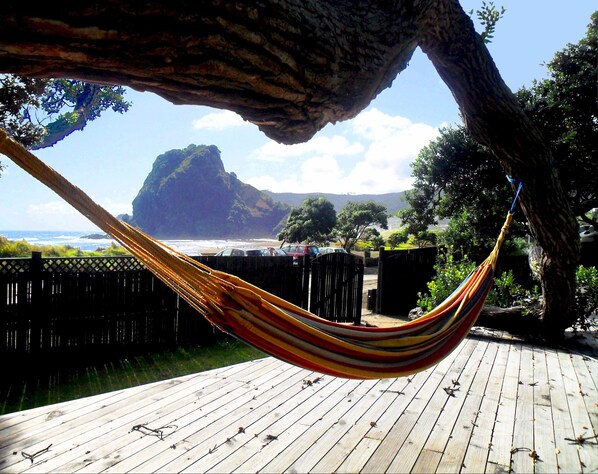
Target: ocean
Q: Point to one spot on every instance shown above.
(77, 239)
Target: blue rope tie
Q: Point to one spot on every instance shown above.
(519, 183)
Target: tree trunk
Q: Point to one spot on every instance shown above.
(494, 118)
(293, 66)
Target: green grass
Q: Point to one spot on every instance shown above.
(31, 385)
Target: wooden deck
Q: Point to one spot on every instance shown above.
(493, 405)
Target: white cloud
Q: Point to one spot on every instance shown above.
(316, 174)
(288, 184)
(115, 207)
(336, 145)
(59, 215)
(376, 125)
(321, 173)
(219, 121)
(386, 144)
(53, 208)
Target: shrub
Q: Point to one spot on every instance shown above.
(449, 275)
(586, 296)
(22, 248)
(506, 292)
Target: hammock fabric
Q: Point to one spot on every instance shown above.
(276, 326)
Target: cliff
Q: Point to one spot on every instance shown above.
(188, 194)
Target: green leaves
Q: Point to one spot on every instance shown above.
(355, 218)
(312, 222)
(457, 178)
(40, 112)
(488, 17)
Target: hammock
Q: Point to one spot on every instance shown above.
(276, 326)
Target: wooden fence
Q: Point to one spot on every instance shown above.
(401, 275)
(61, 304)
(58, 305)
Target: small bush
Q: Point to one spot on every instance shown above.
(449, 275)
(506, 292)
(586, 296)
(22, 248)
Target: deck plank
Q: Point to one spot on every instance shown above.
(314, 442)
(268, 416)
(458, 394)
(592, 370)
(567, 458)
(125, 449)
(293, 430)
(522, 459)
(397, 452)
(437, 418)
(78, 438)
(587, 390)
(355, 446)
(499, 457)
(478, 449)
(582, 426)
(198, 437)
(326, 438)
(467, 438)
(544, 437)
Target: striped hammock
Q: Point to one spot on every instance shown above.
(276, 326)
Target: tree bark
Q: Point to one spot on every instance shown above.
(493, 117)
(290, 67)
(293, 66)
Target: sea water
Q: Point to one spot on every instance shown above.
(80, 239)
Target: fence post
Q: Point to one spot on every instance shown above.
(359, 293)
(306, 285)
(36, 304)
(379, 296)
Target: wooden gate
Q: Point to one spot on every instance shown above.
(336, 287)
(402, 274)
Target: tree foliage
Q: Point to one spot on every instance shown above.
(40, 112)
(18, 97)
(372, 238)
(312, 222)
(488, 16)
(397, 238)
(457, 178)
(355, 218)
(565, 108)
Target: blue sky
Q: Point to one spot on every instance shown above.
(372, 153)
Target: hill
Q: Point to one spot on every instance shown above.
(188, 194)
(392, 201)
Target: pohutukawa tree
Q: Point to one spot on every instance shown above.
(293, 66)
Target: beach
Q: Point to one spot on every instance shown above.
(92, 240)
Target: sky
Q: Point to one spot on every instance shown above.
(370, 154)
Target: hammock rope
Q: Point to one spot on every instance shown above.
(274, 325)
